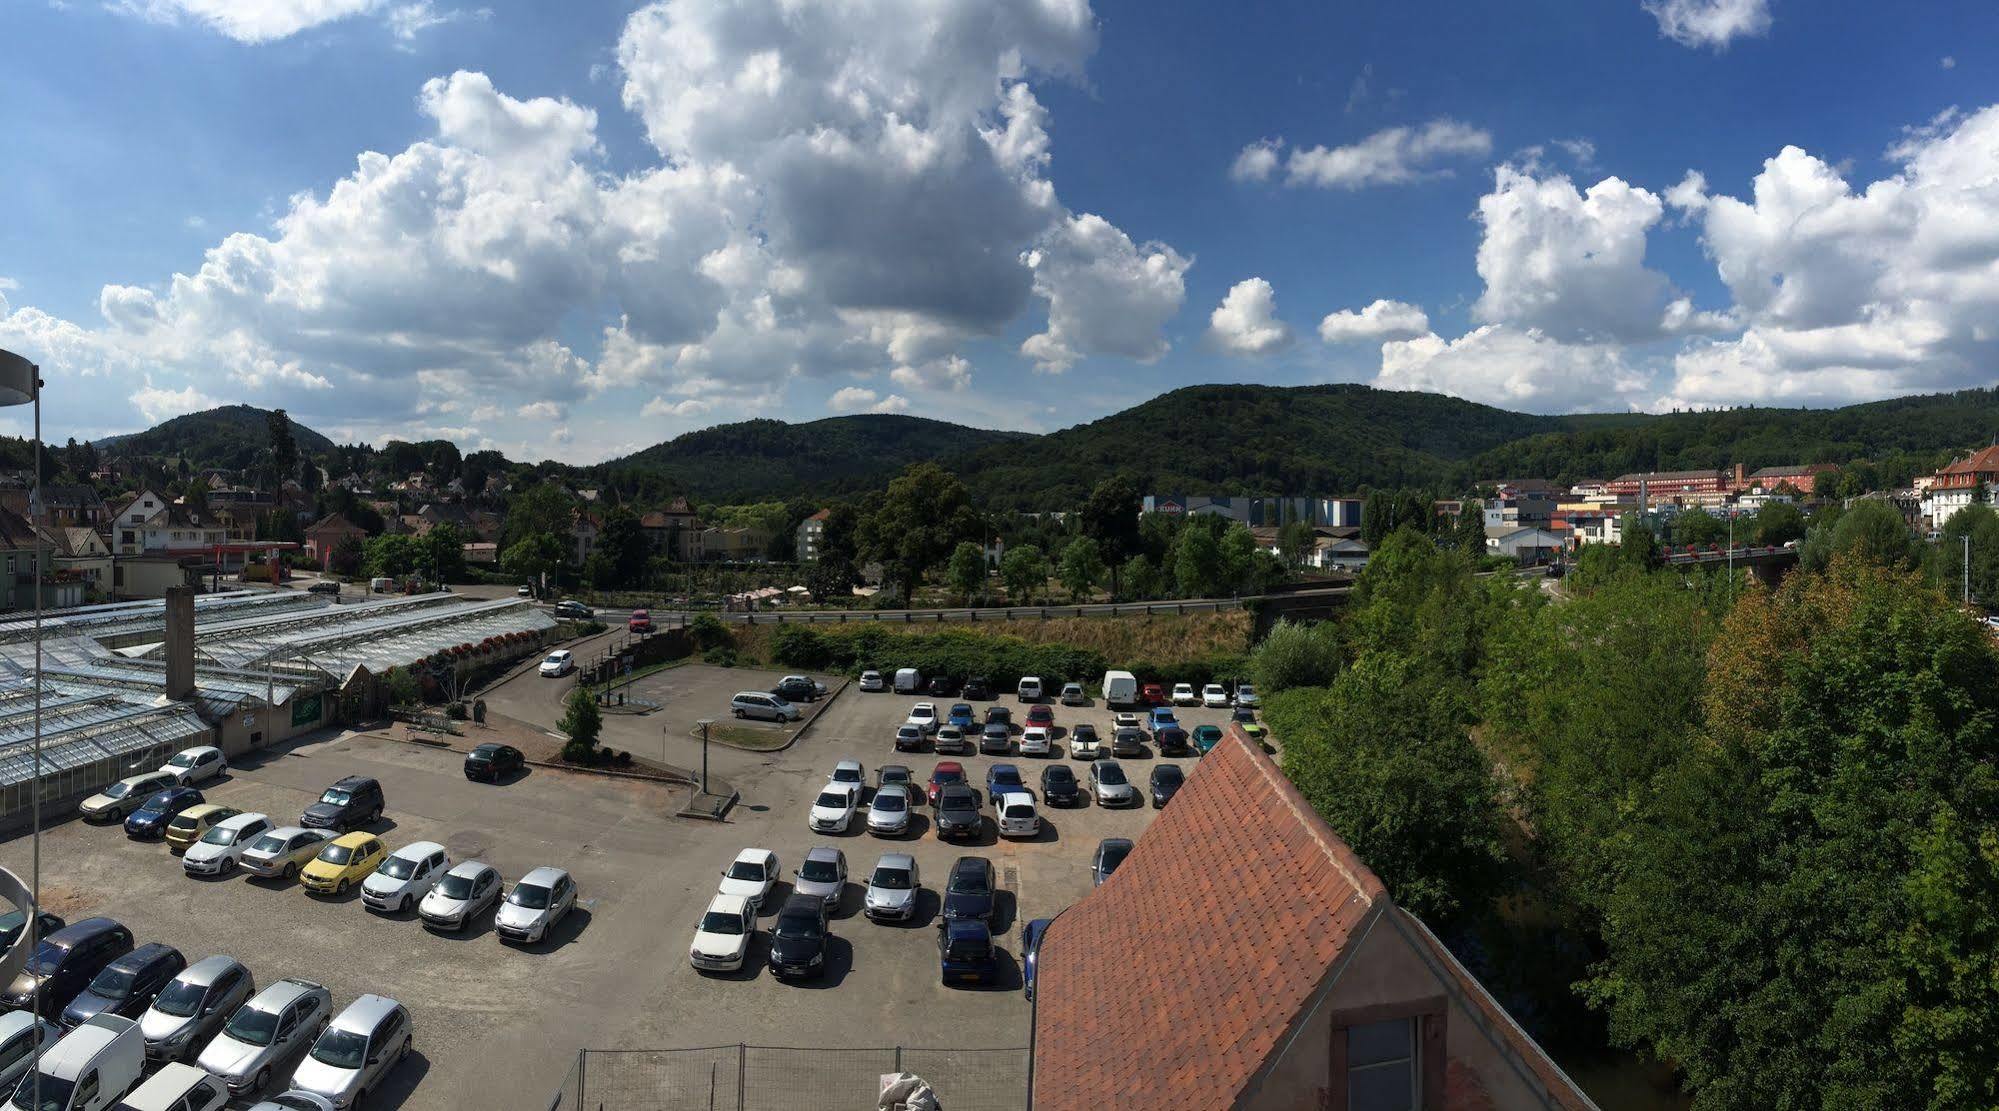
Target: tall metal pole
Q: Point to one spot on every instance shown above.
(35, 887)
(705, 723)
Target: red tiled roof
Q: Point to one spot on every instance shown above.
(1227, 917)
(1983, 461)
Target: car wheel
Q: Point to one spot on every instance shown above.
(291, 872)
(340, 888)
(263, 1078)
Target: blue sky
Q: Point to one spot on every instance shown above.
(587, 227)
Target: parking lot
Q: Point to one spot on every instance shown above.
(616, 974)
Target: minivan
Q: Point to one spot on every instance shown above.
(65, 963)
(92, 1067)
(908, 681)
(1029, 689)
(127, 985)
(765, 707)
(350, 803)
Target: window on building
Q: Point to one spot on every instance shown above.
(1382, 1072)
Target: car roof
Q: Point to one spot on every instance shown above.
(756, 856)
(825, 852)
(238, 821)
(144, 955)
(355, 839)
(1114, 843)
(967, 929)
(896, 860)
(1059, 771)
(289, 832)
(417, 849)
(69, 935)
(80, 1046)
(846, 764)
(469, 868)
(971, 863)
(142, 776)
(354, 782)
(364, 1014)
(207, 970)
(15, 1023)
(197, 750)
(947, 765)
(729, 904)
(163, 1090)
(201, 809)
(810, 904)
(544, 876)
(1016, 798)
(282, 993)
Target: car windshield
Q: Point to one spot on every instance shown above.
(957, 801)
(343, 1049)
(54, 1093)
(252, 1026)
(819, 871)
(269, 843)
(949, 775)
(180, 999)
(398, 868)
(967, 949)
(752, 870)
(1005, 777)
(719, 922)
(890, 879)
(117, 790)
(455, 886)
(969, 881)
(220, 835)
(891, 802)
(485, 752)
(181, 760)
(48, 957)
(1167, 775)
(529, 896)
(1059, 775)
(796, 925)
(336, 854)
(338, 796)
(837, 800)
(1111, 775)
(1114, 855)
(114, 982)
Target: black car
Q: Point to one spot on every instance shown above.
(324, 586)
(1128, 743)
(1058, 786)
(14, 921)
(965, 952)
(1243, 714)
(1166, 780)
(150, 820)
(943, 686)
(798, 938)
(971, 889)
(796, 688)
(349, 804)
(1111, 852)
(65, 963)
(127, 985)
(492, 763)
(977, 689)
(996, 740)
(958, 811)
(1172, 741)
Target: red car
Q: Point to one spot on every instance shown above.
(1152, 694)
(640, 621)
(946, 771)
(1044, 716)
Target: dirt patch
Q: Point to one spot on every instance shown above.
(750, 737)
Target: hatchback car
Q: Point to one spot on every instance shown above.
(851, 773)
(1001, 778)
(1043, 716)
(893, 773)
(404, 877)
(193, 1005)
(221, 849)
(192, 824)
(264, 1034)
(1183, 695)
(942, 686)
(352, 802)
(961, 715)
(1128, 743)
(558, 663)
(176, 1087)
(64, 964)
(871, 682)
(1083, 743)
(958, 812)
(1072, 695)
(14, 922)
(970, 891)
(126, 986)
(888, 813)
(1257, 734)
(324, 586)
(752, 875)
(999, 715)
(923, 715)
(149, 821)
(343, 862)
(822, 875)
(833, 811)
(490, 763)
(1017, 816)
(356, 1051)
(195, 765)
(977, 689)
(722, 937)
(965, 952)
(1162, 717)
(949, 738)
(894, 888)
(1172, 741)
(536, 904)
(574, 610)
(946, 772)
(1109, 785)
(1036, 740)
(1242, 714)
(1058, 786)
(798, 688)
(996, 740)
(1245, 696)
(1206, 737)
(909, 737)
(798, 939)
(1164, 782)
(125, 796)
(1111, 852)
(1127, 720)
(282, 852)
(1215, 696)
(1152, 694)
(639, 622)
(466, 890)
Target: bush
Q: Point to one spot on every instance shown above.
(708, 631)
(581, 722)
(624, 759)
(1296, 655)
(591, 627)
(455, 711)
(719, 656)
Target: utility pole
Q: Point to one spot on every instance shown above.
(705, 723)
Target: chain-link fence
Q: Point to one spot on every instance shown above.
(773, 1078)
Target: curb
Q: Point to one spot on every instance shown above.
(559, 766)
(824, 705)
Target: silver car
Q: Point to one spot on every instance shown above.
(888, 814)
(193, 1005)
(294, 1100)
(369, 1038)
(280, 853)
(894, 888)
(467, 889)
(535, 905)
(823, 876)
(17, 1033)
(276, 1025)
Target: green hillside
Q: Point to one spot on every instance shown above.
(232, 436)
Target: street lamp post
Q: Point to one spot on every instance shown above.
(21, 384)
(705, 723)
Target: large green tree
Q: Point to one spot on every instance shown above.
(1082, 567)
(1197, 563)
(1110, 517)
(916, 523)
(965, 574)
(532, 557)
(623, 545)
(541, 510)
(1974, 532)
(1024, 570)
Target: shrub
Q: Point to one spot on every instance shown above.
(719, 656)
(581, 722)
(708, 631)
(1295, 655)
(592, 627)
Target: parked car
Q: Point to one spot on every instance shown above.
(1243, 715)
(1257, 734)
(908, 680)
(1109, 785)
(117, 801)
(951, 739)
(193, 1005)
(277, 1023)
(574, 610)
(1111, 852)
(1044, 716)
(965, 952)
(282, 852)
(467, 889)
(1183, 695)
(1172, 741)
(946, 772)
(14, 922)
(1035, 741)
(1029, 689)
(1030, 952)
(195, 765)
(888, 812)
(192, 824)
(1058, 786)
(405, 877)
(1001, 778)
(324, 586)
(909, 737)
(1215, 697)
(1245, 696)
(894, 889)
(1162, 717)
(539, 901)
(344, 861)
(722, 939)
(798, 688)
(350, 803)
(1151, 694)
(639, 622)
(91, 1068)
(1206, 737)
(126, 986)
(490, 763)
(996, 740)
(356, 1052)
(822, 875)
(764, 707)
(970, 890)
(888, 774)
(1072, 695)
(558, 663)
(1128, 744)
(19, 1032)
(978, 688)
(752, 875)
(149, 821)
(1164, 782)
(1017, 816)
(1127, 721)
(833, 811)
(999, 715)
(872, 683)
(961, 716)
(849, 773)
(798, 938)
(1083, 743)
(923, 715)
(177, 1087)
(942, 686)
(221, 849)
(958, 812)
(64, 964)
(525, 590)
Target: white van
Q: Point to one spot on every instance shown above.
(764, 707)
(1029, 689)
(93, 1066)
(178, 1087)
(908, 681)
(1120, 688)
(381, 586)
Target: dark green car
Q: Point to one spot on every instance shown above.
(1206, 737)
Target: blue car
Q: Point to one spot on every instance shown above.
(1030, 948)
(150, 820)
(1162, 718)
(961, 716)
(965, 952)
(1004, 778)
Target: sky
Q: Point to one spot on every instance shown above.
(572, 230)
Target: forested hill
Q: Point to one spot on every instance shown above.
(233, 436)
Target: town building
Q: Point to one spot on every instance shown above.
(25, 558)
(1682, 487)
(1525, 543)
(148, 523)
(1803, 477)
(62, 506)
(741, 544)
(1291, 979)
(326, 535)
(1515, 507)
(1968, 481)
(673, 532)
(811, 533)
(81, 553)
(1260, 511)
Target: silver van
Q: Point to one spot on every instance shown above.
(764, 707)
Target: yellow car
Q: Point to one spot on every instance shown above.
(188, 825)
(345, 861)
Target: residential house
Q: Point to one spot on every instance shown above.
(25, 557)
(148, 523)
(1338, 553)
(80, 553)
(62, 505)
(583, 533)
(1514, 507)
(1292, 980)
(673, 532)
(1970, 480)
(327, 534)
(811, 532)
(1526, 544)
(736, 545)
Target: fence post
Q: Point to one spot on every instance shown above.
(582, 1067)
(898, 1060)
(742, 1073)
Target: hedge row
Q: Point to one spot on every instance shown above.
(961, 653)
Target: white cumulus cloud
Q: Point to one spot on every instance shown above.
(1392, 156)
(1246, 323)
(1106, 295)
(1514, 369)
(1257, 161)
(854, 399)
(1381, 320)
(1714, 23)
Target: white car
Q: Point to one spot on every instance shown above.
(1035, 741)
(1245, 696)
(752, 874)
(1029, 689)
(1183, 695)
(401, 881)
(558, 663)
(849, 773)
(468, 888)
(221, 849)
(196, 765)
(722, 939)
(1215, 697)
(888, 814)
(1017, 816)
(1073, 695)
(923, 715)
(833, 810)
(872, 682)
(535, 905)
(1126, 721)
